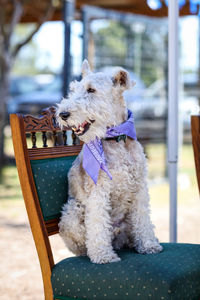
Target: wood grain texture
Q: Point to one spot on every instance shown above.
(41, 230)
(195, 127)
(37, 8)
(52, 226)
(32, 203)
(52, 152)
(46, 122)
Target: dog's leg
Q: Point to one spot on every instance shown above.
(121, 235)
(98, 226)
(142, 230)
(72, 228)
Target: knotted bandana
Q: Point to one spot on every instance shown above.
(93, 154)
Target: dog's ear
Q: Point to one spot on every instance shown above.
(85, 68)
(121, 78)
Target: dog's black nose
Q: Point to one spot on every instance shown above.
(64, 115)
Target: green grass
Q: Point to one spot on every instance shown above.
(187, 183)
(156, 154)
(10, 191)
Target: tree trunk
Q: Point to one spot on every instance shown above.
(4, 90)
(7, 55)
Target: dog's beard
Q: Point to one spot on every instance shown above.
(82, 128)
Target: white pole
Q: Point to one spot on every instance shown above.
(173, 14)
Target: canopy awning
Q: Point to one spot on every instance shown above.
(34, 9)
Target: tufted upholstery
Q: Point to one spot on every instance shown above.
(172, 274)
(51, 182)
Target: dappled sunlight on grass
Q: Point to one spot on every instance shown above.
(156, 155)
(187, 183)
(9, 186)
(188, 210)
(8, 145)
(159, 193)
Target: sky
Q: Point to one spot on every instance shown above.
(189, 42)
(50, 41)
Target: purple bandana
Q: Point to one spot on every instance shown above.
(93, 154)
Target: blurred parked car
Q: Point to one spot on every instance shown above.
(29, 95)
(150, 111)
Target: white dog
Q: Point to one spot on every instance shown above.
(108, 204)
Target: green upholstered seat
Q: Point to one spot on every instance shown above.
(51, 182)
(171, 274)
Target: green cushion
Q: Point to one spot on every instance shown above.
(51, 182)
(171, 274)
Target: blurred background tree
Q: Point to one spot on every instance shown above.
(27, 60)
(11, 13)
(131, 46)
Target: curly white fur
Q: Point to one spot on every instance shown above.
(97, 219)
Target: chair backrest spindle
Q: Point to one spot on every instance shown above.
(44, 139)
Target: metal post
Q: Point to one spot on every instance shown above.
(85, 21)
(68, 15)
(173, 14)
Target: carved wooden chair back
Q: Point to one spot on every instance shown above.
(44, 153)
(195, 128)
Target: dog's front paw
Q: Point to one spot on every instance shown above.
(149, 247)
(105, 258)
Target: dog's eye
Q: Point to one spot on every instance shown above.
(90, 90)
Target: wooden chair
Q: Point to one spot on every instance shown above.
(172, 274)
(195, 128)
(43, 222)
